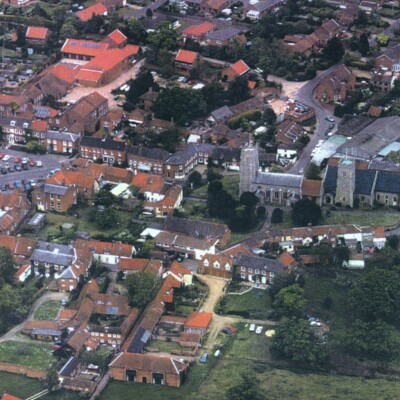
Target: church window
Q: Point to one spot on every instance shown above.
(276, 194)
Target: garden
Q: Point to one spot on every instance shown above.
(48, 311)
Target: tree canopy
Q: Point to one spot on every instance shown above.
(305, 212)
(290, 300)
(141, 288)
(248, 388)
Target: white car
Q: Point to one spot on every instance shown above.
(252, 327)
(39, 163)
(259, 329)
(6, 157)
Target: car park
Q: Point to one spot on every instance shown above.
(25, 160)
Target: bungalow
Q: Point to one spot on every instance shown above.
(37, 36)
(148, 368)
(224, 36)
(239, 68)
(198, 322)
(186, 60)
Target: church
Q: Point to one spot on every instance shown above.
(274, 188)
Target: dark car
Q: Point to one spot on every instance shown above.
(25, 166)
(3, 171)
(10, 168)
(3, 187)
(17, 167)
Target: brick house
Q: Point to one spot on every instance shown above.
(21, 247)
(335, 87)
(85, 114)
(390, 57)
(15, 129)
(83, 50)
(39, 128)
(186, 60)
(214, 7)
(54, 197)
(198, 32)
(37, 36)
(9, 104)
(217, 265)
(148, 368)
(239, 68)
(14, 207)
(223, 37)
(116, 39)
(108, 150)
(60, 142)
(257, 269)
(87, 186)
(147, 159)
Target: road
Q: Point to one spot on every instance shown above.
(11, 334)
(50, 162)
(305, 95)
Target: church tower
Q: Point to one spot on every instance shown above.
(249, 165)
(346, 182)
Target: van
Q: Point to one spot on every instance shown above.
(252, 327)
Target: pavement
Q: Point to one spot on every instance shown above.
(305, 94)
(79, 91)
(50, 163)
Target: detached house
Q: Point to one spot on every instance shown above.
(108, 150)
(94, 10)
(239, 68)
(186, 60)
(198, 32)
(390, 57)
(50, 197)
(37, 36)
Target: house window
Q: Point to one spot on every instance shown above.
(250, 270)
(257, 271)
(243, 269)
(243, 276)
(264, 273)
(227, 267)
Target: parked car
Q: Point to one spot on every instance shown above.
(25, 160)
(39, 163)
(226, 331)
(17, 184)
(252, 327)
(259, 329)
(3, 187)
(32, 183)
(18, 167)
(2, 155)
(4, 171)
(6, 157)
(10, 168)
(203, 358)
(32, 163)
(17, 160)
(329, 118)
(231, 328)
(10, 185)
(25, 166)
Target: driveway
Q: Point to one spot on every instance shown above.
(12, 333)
(305, 94)
(79, 91)
(50, 162)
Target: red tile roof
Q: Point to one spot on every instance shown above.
(186, 56)
(95, 9)
(199, 30)
(21, 271)
(311, 188)
(36, 32)
(116, 249)
(83, 47)
(64, 73)
(240, 67)
(133, 264)
(39, 125)
(7, 396)
(70, 178)
(117, 37)
(286, 259)
(198, 320)
(67, 314)
(148, 183)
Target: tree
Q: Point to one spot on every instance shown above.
(269, 116)
(51, 380)
(164, 37)
(277, 216)
(295, 340)
(382, 39)
(170, 139)
(334, 50)
(180, 105)
(195, 179)
(248, 388)
(290, 300)
(323, 255)
(149, 13)
(261, 212)
(392, 241)
(7, 270)
(238, 90)
(249, 199)
(143, 82)
(105, 198)
(101, 357)
(362, 18)
(376, 340)
(363, 44)
(281, 281)
(106, 219)
(135, 32)
(68, 30)
(141, 288)
(220, 203)
(214, 95)
(312, 172)
(305, 211)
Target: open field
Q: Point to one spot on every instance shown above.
(37, 356)
(48, 311)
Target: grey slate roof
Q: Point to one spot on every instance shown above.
(53, 253)
(364, 181)
(198, 229)
(388, 182)
(102, 143)
(276, 179)
(47, 332)
(13, 121)
(55, 189)
(222, 113)
(224, 34)
(148, 152)
(259, 263)
(190, 151)
(69, 367)
(67, 136)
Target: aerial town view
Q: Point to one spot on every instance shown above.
(199, 199)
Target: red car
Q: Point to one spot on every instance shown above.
(10, 185)
(32, 163)
(2, 155)
(17, 159)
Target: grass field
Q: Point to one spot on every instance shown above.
(254, 302)
(37, 356)
(48, 311)
(23, 387)
(229, 182)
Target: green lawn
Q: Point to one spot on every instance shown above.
(229, 182)
(37, 356)
(23, 387)
(384, 218)
(48, 311)
(256, 302)
(163, 346)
